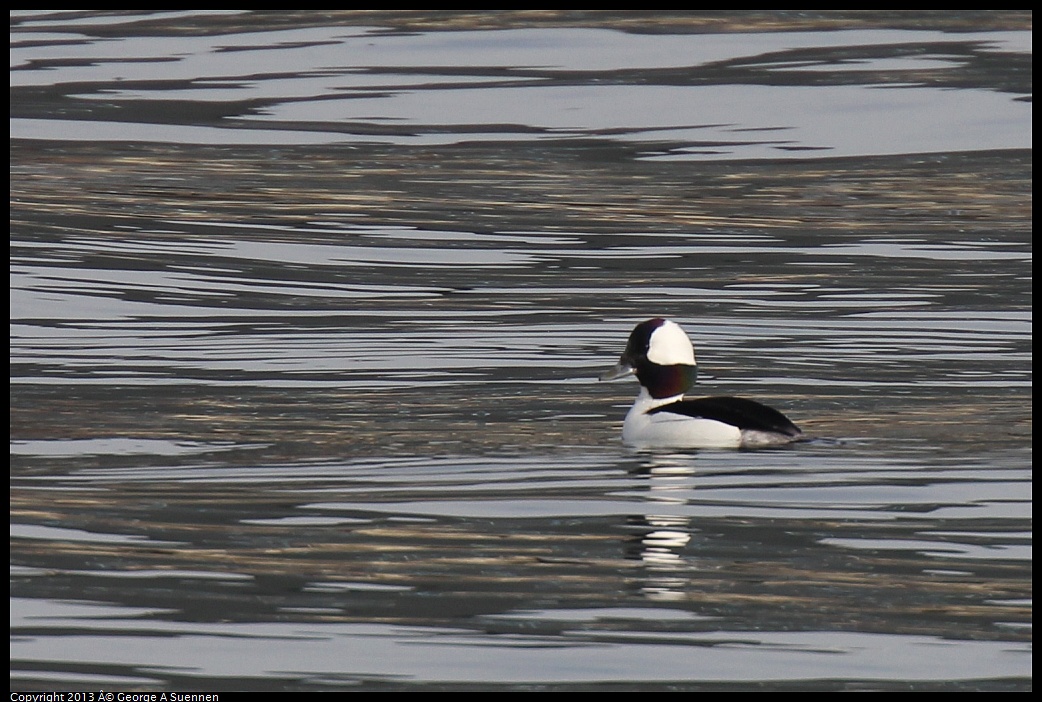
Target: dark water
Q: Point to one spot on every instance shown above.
(307, 311)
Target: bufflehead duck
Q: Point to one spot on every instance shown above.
(660, 354)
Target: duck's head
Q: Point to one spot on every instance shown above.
(660, 354)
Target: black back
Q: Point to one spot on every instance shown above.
(736, 411)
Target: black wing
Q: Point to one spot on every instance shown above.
(736, 411)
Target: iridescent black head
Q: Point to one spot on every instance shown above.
(660, 354)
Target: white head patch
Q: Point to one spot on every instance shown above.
(670, 346)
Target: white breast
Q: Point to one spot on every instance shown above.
(667, 430)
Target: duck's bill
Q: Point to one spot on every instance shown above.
(621, 370)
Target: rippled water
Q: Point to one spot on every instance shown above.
(307, 311)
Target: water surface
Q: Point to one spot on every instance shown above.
(307, 312)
